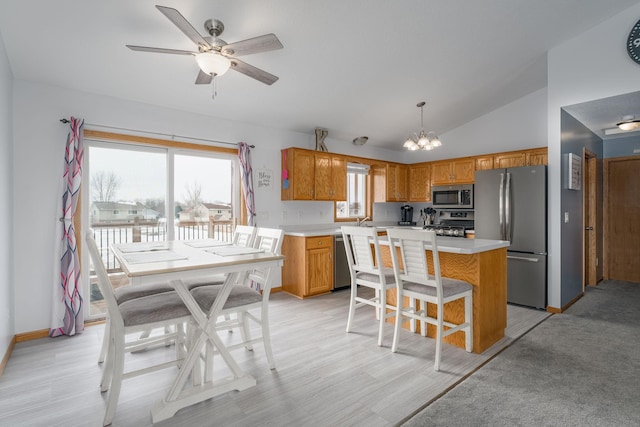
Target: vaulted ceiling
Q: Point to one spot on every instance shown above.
(353, 67)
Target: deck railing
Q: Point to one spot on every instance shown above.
(106, 234)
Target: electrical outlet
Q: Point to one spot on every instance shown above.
(300, 215)
(321, 214)
(284, 215)
(566, 217)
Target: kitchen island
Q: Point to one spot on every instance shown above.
(482, 263)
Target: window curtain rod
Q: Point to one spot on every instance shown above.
(159, 133)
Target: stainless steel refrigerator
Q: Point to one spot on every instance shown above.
(511, 204)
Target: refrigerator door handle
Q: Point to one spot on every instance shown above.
(521, 258)
(507, 208)
(501, 207)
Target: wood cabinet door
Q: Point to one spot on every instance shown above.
(419, 183)
(339, 177)
(319, 270)
(484, 163)
(392, 183)
(379, 179)
(537, 157)
(323, 184)
(300, 170)
(509, 160)
(464, 171)
(441, 173)
(402, 186)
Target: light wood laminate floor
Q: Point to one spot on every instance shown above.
(324, 376)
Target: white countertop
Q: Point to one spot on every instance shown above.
(445, 244)
(313, 230)
(458, 245)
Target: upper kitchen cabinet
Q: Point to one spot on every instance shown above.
(537, 156)
(420, 179)
(330, 176)
(298, 169)
(510, 160)
(313, 175)
(457, 171)
(390, 182)
(484, 163)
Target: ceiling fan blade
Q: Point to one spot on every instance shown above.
(203, 78)
(184, 26)
(253, 72)
(160, 50)
(254, 45)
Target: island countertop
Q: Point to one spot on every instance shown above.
(459, 245)
(456, 245)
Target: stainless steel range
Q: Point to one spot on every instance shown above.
(453, 223)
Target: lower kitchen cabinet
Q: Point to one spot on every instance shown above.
(308, 265)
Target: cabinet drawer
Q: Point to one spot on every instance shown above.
(319, 242)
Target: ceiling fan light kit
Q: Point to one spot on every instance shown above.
(423, 140)
(629, 123)
(214, 55)
(213, 64)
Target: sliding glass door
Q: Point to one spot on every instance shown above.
(136, 193)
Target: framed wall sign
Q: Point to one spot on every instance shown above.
(573, 171)
(264, 178)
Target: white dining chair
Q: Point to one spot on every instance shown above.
(366, 268)
(252, 294)
(410, 265)
(135, 315)
(243, 235)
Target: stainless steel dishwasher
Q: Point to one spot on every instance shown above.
(341, 274)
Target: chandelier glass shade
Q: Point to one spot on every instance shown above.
(423, 140)
(213, 64)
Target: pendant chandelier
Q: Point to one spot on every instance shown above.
(422, 140)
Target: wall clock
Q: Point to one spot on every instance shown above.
(633, 43)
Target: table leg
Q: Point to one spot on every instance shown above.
(205, 336)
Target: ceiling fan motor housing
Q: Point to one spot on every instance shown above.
(213, 27)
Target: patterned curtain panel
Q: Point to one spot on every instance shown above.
(67, 316)
(244, 154)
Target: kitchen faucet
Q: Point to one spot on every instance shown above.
(360, 222)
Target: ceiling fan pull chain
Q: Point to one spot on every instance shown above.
(214, 86)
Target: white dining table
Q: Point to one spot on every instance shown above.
(173, 262)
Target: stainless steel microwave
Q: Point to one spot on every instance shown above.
(452, 196)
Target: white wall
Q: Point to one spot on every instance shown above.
(518, 125)
(39, 140)
(7, 328)
(591, 66)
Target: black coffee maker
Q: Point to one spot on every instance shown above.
(406, 215)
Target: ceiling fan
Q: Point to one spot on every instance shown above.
(214, 55)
